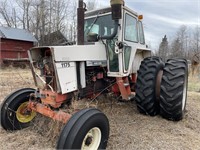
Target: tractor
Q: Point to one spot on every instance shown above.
(110, 56)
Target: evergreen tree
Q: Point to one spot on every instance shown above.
(163, 49)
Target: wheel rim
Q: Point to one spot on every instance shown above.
(23, 115)
(92, 139)
(158, 84)
(184, 94)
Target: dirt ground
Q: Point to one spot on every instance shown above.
(128, 129)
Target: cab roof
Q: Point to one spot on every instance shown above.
(106, 10)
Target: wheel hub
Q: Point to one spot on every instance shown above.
(88, 140)
(23, 114)
(92, 139)
(158, 84)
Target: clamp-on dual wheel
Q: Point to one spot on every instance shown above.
(162, 88)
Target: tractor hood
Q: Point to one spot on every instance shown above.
(95, 52)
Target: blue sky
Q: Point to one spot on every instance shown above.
(163, 16)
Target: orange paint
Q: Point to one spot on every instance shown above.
(125, 90)
(52, 98)
(47, 111)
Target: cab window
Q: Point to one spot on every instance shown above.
(102, 25)
(130, 29)
(141, 33)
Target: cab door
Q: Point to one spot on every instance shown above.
(130, 40)
(120, 58)
(131, 35)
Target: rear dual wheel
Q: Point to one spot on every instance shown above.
(147, 95)
(173, 94)
(14, 113)
(167, 96)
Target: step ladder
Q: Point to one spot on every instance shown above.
(124, 87)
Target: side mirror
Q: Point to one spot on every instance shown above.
(92, 37)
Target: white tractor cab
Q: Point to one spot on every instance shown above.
(123, 38)
(110, 56)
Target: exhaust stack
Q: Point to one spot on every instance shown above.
(80, 23)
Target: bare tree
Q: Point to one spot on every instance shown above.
(24, 5)
(72, 22)
(43, 17)
(91, 4)
(49, 16)
(196, 40)
(182, 35)
(176, 50)
(40, 17)
(8, 14)
(179, 45)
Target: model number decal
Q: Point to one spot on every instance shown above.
(65, 65)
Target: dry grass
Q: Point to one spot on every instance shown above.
(128, 129)
(194, 80)
(12, 79)
(194, 83)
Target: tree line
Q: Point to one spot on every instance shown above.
(42, 17)
(184, 44)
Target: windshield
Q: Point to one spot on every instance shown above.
(101, 25)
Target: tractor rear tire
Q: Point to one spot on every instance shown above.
(173, 94)
(146, 97)
(9, 117)
(86, 129)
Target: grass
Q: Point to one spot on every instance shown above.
(127, 127)
(12, 79)
(194, 83)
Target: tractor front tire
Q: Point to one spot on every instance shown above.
(173, 94)
(146, 85)
(11, 110)
(86, 129)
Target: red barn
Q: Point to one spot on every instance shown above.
(14, 43)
